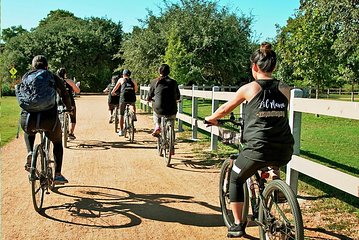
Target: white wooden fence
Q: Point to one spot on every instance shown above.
(330, 176)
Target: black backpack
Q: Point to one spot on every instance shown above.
(37, 91)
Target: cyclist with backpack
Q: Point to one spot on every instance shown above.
(267, 137)
(36, 95)
(113, 101)
(71, 88)
(165, 93)
(128, 88)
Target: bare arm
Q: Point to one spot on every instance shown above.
(243, 93)
(73, 85)
(136, 86)
(118, 84)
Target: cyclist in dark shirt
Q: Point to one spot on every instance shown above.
(47, 120)
(113, 101)
(165, 93)
(268, 140)
(128, 88)
(71, 88)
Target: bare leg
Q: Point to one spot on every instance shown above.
(121, 122)
(237, 211)
(72, 128)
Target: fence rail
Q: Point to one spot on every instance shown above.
(335, 178)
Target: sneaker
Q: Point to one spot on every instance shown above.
(156, 132)
(237, 230)
(110, 120)
(72, 136)
(59, 179)
(28, 161)
(120, 133)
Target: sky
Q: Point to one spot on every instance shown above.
(28, 13)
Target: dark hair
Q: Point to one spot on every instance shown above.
(164, 70)
(61, 72)
(126, 72)
(265, 57)
(39, 62)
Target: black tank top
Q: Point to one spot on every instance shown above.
(127, 93)
(267, 135)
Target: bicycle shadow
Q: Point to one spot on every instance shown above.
(116, 208)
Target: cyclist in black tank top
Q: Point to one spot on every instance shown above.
(267, 136)
(128, 88)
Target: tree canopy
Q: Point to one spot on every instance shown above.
(202, 43)
(84, 46)
(319, 47)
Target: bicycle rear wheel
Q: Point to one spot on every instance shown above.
(65, 129)
(168, 144)
(131, 129)
(115, 112)
(281, 217)
(51, 164)
(224, 200)
(37, 178)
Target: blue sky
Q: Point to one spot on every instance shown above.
(28, 13)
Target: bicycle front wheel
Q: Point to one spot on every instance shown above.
(280, 214)
(224, 200)
(37, 177)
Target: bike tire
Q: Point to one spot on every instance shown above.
(224, 200)
(127, 125)
(37, 178)
(159, 146)
(131, 130)
(168, 145)
(65, 130)
(116, 119)
(280, 219)
(51, 164)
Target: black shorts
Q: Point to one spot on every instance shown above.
(123, 107)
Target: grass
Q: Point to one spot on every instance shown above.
(9, 118)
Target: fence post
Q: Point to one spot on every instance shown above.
(295, 121)
(215, 105)
(194, 112)
(180, 110)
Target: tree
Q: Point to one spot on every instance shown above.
(319, 46)
(11, 32)
(202, 43)
(84, 46)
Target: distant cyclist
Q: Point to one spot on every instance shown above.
(165, 93)
(72, 88)
(128, 88)
(113, 101)
(268, 140)
(37, 97)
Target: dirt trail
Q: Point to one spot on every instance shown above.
(116, 190)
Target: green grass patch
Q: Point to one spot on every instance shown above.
(9, 118)
(331, 141)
